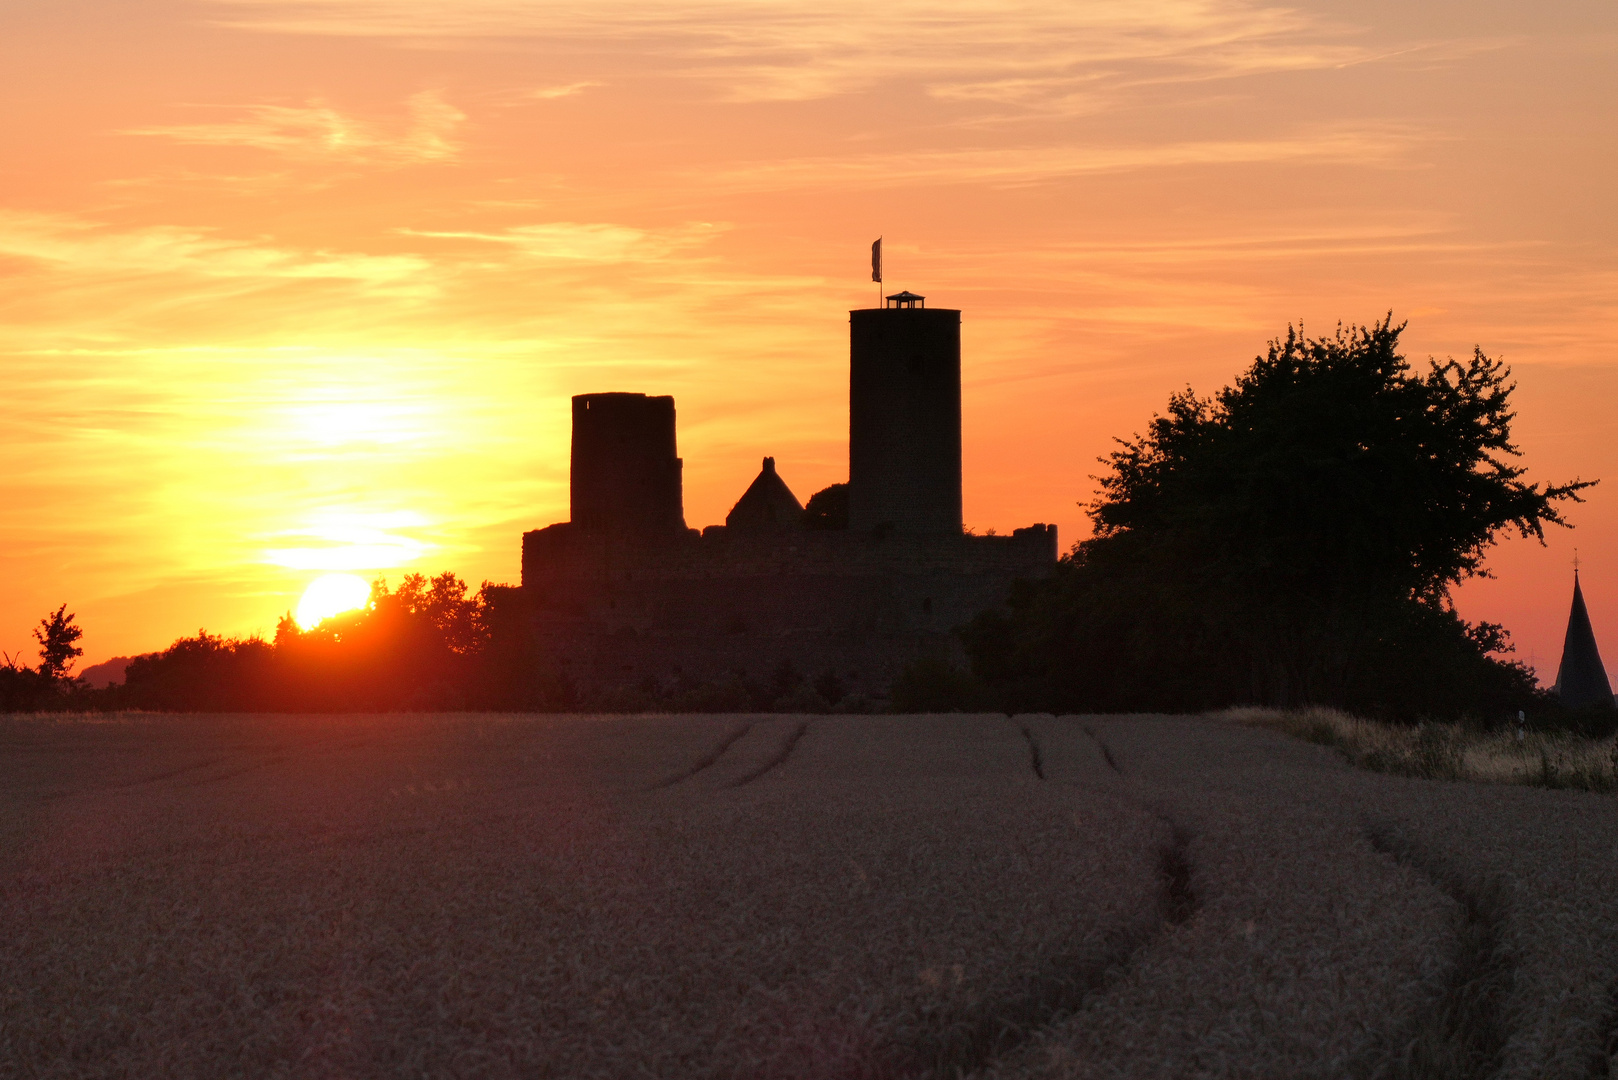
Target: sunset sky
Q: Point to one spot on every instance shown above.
(296, 286)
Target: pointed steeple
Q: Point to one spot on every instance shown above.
(1581, 681)
(768, 505)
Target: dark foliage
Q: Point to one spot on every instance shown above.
(22, 689)
(1291, 540)
(428, 645)
(827, 509)
(56, 634)
(932, 685)
(48, 687)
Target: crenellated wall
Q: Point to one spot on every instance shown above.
(862, 605)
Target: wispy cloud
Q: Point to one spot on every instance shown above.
(1381, 145)
(1044, 54)
(550, 93)
(316, 129)
(353, 541)
(74, 244)
(591, 242)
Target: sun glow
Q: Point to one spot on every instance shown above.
(353, 541)
(331, 594)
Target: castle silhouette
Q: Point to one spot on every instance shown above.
(625, 593)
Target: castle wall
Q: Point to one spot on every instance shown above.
(626, 473)
(859, 605)
(904, 420)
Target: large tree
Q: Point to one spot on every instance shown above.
(1293, 538)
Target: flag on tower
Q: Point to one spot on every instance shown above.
(876, 259)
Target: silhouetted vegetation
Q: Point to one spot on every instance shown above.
(56, 634)
(429, 645)
(1291, 540)
(827, 509)
(1556, 755)
(25, 689)
(932, 685)
(426, 645)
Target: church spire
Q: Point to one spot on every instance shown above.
(1581, 680)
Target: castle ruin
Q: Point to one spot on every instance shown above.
(625, 593)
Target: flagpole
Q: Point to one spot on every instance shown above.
(876, 269)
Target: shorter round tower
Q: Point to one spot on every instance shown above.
(626, 474)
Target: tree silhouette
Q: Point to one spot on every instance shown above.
(1293, 538)
(827, 509)
(56, 634)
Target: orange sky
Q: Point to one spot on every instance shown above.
(301, 285)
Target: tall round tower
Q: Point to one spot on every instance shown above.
(904, 417)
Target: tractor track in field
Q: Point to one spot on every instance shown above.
(276, 759)
(963, 1043)
(1106, 751)
(1605, 1063)
(166, 775)
(1034, 757)
(775, 762)
(1462, 1034)
(708, 760)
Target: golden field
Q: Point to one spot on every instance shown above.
(770, 896)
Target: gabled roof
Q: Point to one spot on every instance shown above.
(767, 504)
(1581, 680)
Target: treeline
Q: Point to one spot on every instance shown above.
(1291, 540)
(429, 645)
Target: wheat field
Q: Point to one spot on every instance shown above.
(777, 896)
(1439, 751)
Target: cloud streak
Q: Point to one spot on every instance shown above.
(317, 130)
(1363, 145)
(353, 542)
(551, 93)
(70, 244)
(1045, 55)
(587, 242)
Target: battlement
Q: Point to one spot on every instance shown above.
(861, 604)
(564, 560)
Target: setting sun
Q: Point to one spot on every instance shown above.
(331, 594)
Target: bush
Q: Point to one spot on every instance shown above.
(933, 685)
